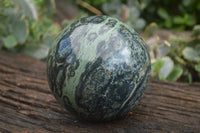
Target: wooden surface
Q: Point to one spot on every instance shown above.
(27, 105)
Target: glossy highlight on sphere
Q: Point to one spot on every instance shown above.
(98, 68)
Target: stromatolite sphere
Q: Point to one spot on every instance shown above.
(98, 68)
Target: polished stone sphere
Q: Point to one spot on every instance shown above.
(98, 68)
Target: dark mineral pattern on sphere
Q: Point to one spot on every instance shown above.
(98, 68)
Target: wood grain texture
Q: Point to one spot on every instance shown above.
(27, 104)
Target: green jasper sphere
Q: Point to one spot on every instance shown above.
(98, 68)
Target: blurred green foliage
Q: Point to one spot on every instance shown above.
(26, 26)
(180, 59)
(127, 12)
(177, 15)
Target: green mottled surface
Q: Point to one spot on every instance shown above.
(98, 68)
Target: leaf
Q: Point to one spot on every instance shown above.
(190, 21)
(198, 6)
(112, 8)
(36, 51)
(166, 68)
(175, 74)
(163, 50)
(47, 39)
(178, 20)
(51, 7)
(197, 48)
(193, 43)
(196, 31)
(168, 23)
(158, 65)
(20, 30)
(150, 29)
(139, 24)
(163, 13)
(134, 13)
(28, 8)
(190, 54)
(186, 2)
(197, 67)
(10, 41)
(180, 60)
